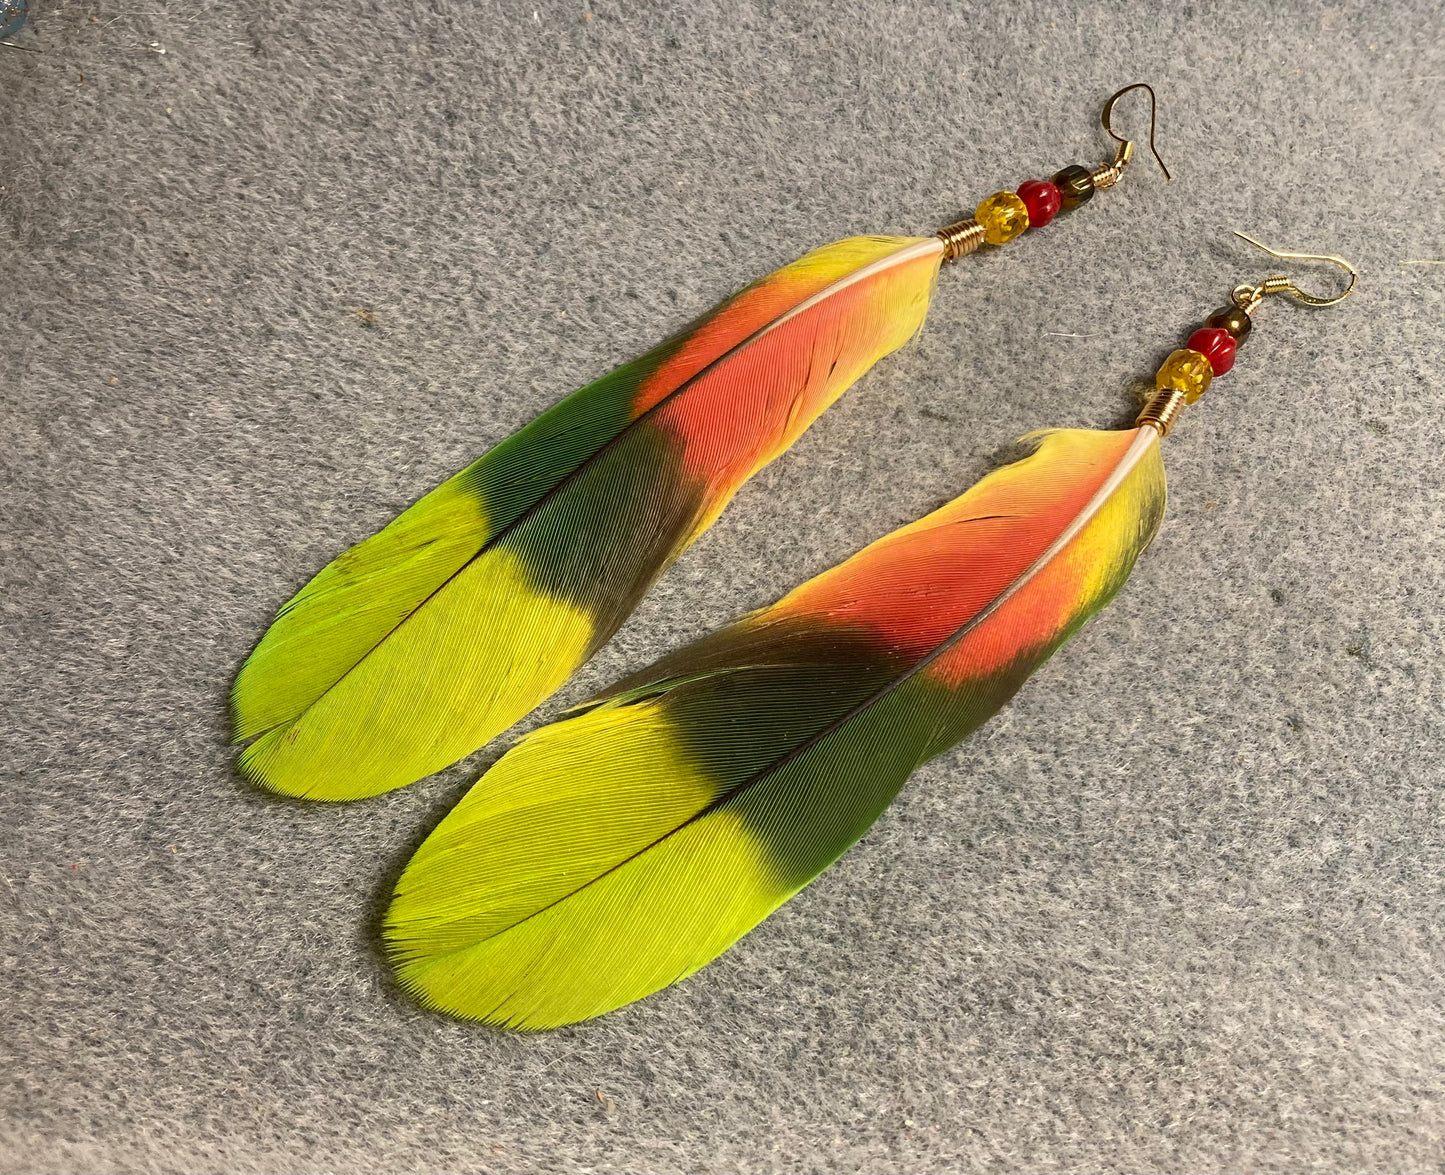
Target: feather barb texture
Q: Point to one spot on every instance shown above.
(421, 644)
(612, 853)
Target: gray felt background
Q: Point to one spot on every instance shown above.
(1179, 907)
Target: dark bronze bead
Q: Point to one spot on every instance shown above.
(1232, 319)
(1076, 186)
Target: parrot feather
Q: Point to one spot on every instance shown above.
(616, 851)
(425, 641)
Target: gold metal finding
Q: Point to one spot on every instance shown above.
(960, 238)
(1247, 297)
(965, 236)
(1163, 408)
(1107, 175)
(1166, 403)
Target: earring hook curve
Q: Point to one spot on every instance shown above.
(1125, 144)
(1287, 286)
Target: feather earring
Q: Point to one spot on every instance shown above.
(425, 641)
(615, 852)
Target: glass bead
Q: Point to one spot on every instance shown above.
(1232, 319)
(1003, 216)
(1075, 184)
(1186, 370)
(1217, 345)
(1042, 200)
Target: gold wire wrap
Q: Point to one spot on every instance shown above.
(960, 239)
(1167, 402)
(1163, 408)
(966, 236)
(1106, 175)
(1282, 285)
(1248, 297)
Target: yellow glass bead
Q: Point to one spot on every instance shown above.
(1003, 216)
(1186, 370)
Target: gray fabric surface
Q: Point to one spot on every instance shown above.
(270, 271)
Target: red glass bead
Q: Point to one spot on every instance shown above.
(1216, 344)
(1042, 199)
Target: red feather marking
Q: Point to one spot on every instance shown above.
(918, 586)
(748, 407)
(743, 316)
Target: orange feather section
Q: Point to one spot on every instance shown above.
(813, 339)
(919, 586)
(610, 854)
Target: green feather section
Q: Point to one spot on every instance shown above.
(351, 606)
(421, 644)
(613, 853)
(501, 633)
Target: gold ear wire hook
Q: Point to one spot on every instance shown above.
(1126, 147)
(1284, 285)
